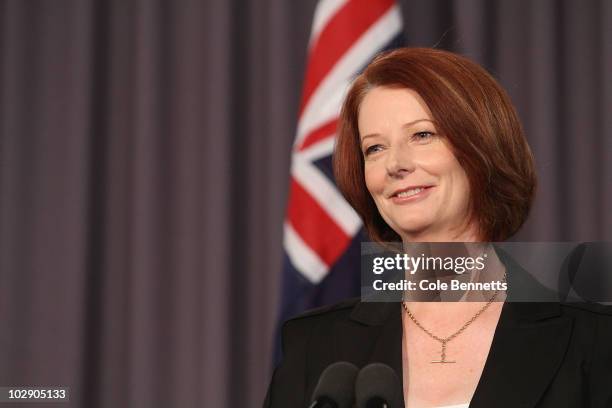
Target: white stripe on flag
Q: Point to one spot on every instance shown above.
(324, 104)
(318, 150)
(326, 194)
(305, 260)
(325, 10)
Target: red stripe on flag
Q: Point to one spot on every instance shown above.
(322, 132)
(315, 227)
(340, 33)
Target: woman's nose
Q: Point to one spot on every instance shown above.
(399, 162)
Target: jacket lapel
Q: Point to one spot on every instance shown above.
(527, 350)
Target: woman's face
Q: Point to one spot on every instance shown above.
(419, 187)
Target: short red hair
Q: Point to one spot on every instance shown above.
(476, 116)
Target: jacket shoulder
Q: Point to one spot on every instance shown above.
(326, 311)
(297, 329)
(288, 387)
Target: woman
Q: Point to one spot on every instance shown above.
(431, 149)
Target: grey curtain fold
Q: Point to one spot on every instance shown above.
(144, 166)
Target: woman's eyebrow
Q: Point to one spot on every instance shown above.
(406, 125)
(370, 135)
(414, 122)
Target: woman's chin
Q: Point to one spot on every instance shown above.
(417, 232)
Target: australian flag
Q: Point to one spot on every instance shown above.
(322, 232)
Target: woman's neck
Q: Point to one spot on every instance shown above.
(450, 311)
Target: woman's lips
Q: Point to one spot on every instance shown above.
(421, 195)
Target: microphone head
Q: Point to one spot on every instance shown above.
(377, 385)
(337, 385)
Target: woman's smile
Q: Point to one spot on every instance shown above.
(411, 195)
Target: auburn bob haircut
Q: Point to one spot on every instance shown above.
(476, 116)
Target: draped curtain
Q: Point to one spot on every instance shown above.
(144, 157)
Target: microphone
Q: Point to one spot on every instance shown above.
(377, 386)
(336, 387)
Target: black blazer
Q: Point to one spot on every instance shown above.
(542, 355)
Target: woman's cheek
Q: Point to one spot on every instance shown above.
(371, 184)
(374, 181)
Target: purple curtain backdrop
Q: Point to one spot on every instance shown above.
(144, 156)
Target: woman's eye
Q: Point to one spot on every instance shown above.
(423, 136)
(372, 149)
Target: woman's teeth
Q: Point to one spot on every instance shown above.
(411, 192)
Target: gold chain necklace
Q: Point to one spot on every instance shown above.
(444, 340)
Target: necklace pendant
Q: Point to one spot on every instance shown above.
(442, 362)
(443, 356)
